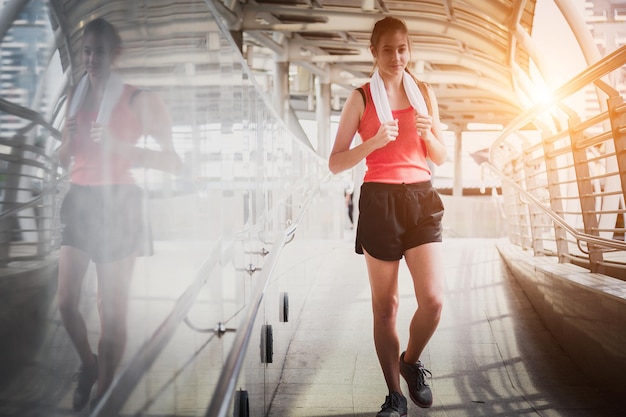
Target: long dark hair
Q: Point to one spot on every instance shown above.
(386, 25)
(102, 28)
(391, 24)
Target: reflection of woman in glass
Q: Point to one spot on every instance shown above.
(400, 212)
(102, 211)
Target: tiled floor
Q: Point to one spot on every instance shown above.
(491, 356)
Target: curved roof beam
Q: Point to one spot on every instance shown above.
(483, 65)
(472, 33)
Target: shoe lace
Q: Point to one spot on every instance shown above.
(391, 401)
(421, 375)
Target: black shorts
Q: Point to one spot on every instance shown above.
(397, 217)
(106, 222)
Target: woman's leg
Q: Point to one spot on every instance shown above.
(425, 262)
(73, 265)
(113, 287)
(383, 277)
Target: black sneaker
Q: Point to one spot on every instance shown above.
(394, 406)
(415, 376)
(85, 378)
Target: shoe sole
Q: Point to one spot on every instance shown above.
(417, 403)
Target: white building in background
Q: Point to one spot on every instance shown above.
(607, 22)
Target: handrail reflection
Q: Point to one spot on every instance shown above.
(128, 378)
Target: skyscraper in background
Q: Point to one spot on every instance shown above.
(24, 53)
(607, 19)
(607, 22)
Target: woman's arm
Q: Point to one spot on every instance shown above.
(342, 157)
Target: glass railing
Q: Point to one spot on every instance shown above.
(250, 200)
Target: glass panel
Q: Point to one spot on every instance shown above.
(245, 179)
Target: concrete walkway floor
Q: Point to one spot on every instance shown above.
(491, 355)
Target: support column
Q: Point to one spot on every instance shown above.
(457, 189)
(281, 90)
(322, 114)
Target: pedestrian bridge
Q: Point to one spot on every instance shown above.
(254, 302)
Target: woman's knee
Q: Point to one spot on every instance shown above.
(386, 311)
(431, 305)
(67, 302)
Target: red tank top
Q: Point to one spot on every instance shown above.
(91, 165)
(400, 161)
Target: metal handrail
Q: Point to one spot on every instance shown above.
(585, 237)
(31, 203)
(28, 114)
(230, 371)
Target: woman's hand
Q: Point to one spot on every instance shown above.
(387, 132)
(423, 124)
(97, 132)
(69, 135)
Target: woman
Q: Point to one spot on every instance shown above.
(102, 211)
(400, 211)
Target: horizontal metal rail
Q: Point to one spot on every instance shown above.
(28, 114)
(579, 236)
(565, 188)
(31, 203)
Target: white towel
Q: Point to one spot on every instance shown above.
(381, 101)
(112, 94)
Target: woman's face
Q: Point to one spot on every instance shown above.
(98, 56)
(392, 53)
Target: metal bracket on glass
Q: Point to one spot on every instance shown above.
(251, 269)
(220, 329)
(261, 252)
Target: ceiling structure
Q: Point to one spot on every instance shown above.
(473, 52)
(476, 54)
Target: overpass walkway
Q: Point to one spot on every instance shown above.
(491, 355)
